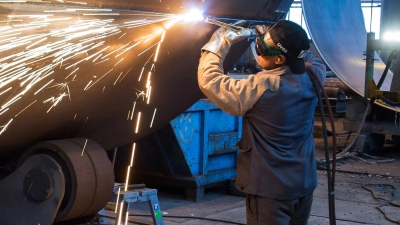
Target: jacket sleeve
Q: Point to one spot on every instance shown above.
(233, 96)
(316, 64)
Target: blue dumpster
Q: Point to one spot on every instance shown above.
(195, 150)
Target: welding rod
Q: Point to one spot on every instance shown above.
(222, 24)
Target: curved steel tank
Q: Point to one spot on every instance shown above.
(338, 31)
(110, 71)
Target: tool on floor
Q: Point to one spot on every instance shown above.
(135, 193)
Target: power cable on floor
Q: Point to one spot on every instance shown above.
(179, 217)
(378, 159)
(386, 202)
(395, 193)
(353, 221)
(355, 172)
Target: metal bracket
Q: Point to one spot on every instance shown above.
(33, 193)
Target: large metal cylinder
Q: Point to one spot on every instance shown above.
(126, 81)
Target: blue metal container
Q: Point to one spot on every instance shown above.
(195, 150)
(207, 136)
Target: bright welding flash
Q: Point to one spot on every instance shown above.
(193, 15)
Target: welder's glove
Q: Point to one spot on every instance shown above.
(261, 29)
(223, 38)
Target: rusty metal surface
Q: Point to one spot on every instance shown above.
(101, 96)
(338, 32)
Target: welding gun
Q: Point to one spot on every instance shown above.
(230, 26)
(227, 35)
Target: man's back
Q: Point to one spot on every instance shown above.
(279, 129)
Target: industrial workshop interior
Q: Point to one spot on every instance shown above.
(102, 119)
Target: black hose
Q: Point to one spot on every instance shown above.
(373, 109)
(389, 62)
(324, 132)
(331, 176)
(390, 102)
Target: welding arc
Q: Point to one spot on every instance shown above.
(331, 176)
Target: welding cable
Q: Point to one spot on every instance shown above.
(390, 102)
(345, 220)
(386, 100)
(389, 62)
(366, 187)
(379, 160)
(344, 151)
(331, 175)
(179, 217)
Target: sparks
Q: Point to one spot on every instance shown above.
(140, 94)
(99, 79)
(84, 146)
(163, 36)
(141, 73)
(126, 218)
(125, 74)
(133, 153)
(147, 49)
(25, 108)
(158, 49)
(72, 73)
(137, 123)
(121, 208)
(127, 178)
(3, 128)
(148, 96)
(5, 90)
(116, 50)
(133, 109)
(87, 85)
(35, 57)
(56, 101)
(119, 191)
(2, 111)
(117, 78)
(43, 86)
(119, 61)
(152, 120)
(148, 80)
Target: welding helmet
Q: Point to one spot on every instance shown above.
(291, 40)
(289, 37)
(263, 48)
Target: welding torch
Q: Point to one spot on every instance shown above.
(230, 26)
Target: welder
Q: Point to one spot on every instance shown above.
(276, 165)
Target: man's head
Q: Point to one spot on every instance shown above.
(280, 44)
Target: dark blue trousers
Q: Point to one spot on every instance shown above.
(265, 211)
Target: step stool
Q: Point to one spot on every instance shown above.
(141, 194)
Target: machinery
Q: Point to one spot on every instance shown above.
(350, 53)
(80, 78)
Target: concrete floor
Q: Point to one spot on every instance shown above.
(354, 204)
